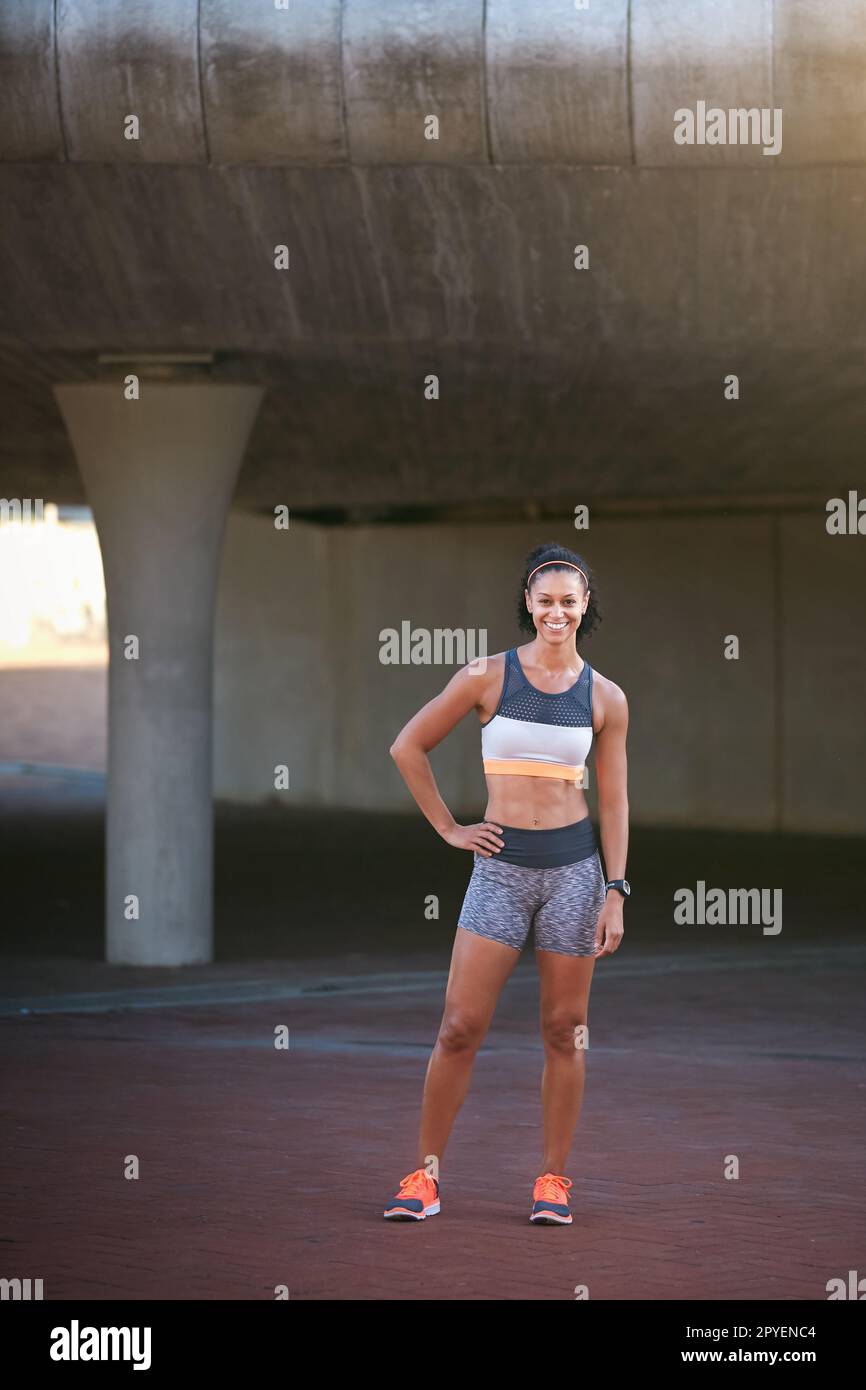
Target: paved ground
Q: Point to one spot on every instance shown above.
(261, 1167)
(31, 695)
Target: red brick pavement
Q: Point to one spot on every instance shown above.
(261, 1167)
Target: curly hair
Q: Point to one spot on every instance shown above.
(548, 554)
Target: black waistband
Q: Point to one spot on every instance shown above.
(548, 849)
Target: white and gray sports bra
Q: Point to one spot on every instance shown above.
(537, 734)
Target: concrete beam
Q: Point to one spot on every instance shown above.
(29, 106)
(511, 81)
(116, 61)
(408, 60)
(272, 82)
(820, 61)
(557, 82)
(702, 51)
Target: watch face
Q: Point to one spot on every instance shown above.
(626, 886)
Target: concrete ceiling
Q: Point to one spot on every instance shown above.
(409, 257)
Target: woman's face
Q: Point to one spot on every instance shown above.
(557, 601)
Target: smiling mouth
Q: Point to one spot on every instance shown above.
(555, 627)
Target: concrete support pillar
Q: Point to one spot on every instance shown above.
(159, 473)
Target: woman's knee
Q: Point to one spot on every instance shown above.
(461, 1032)
(565, 1030)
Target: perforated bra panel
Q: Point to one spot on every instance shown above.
(520, 700)
(533, 725)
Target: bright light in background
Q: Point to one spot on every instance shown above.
(52, 592)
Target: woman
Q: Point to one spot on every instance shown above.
(535, 860)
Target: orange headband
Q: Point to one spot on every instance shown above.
(558, 562)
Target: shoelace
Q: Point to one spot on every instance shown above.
(415, 1184)
(552, 1188)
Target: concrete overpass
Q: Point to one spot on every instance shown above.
(296, 377)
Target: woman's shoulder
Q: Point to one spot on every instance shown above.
(485, 676)
(493, 662)
(607, 695)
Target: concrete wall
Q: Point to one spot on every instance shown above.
(823, 731)
(274, 700)
(775, 739)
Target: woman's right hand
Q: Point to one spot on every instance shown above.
(483, 838)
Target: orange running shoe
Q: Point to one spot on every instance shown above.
(550, 1200)
(418, 1198)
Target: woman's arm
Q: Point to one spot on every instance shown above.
(464, 692)
(610, 769)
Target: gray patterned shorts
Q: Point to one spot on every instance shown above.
(563, 903)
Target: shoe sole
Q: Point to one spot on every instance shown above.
(401, 1214)
(549, 1218)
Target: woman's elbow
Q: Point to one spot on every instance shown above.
(403, 750)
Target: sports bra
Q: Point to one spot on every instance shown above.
(537, 734)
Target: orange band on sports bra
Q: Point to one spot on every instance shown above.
(522, 767)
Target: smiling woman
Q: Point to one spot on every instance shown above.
(536, 860)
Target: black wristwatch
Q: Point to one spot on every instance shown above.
(621, 884)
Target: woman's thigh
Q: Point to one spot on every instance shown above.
(565, 982)
(479, 969)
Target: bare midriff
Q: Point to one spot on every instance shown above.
(533, 803)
